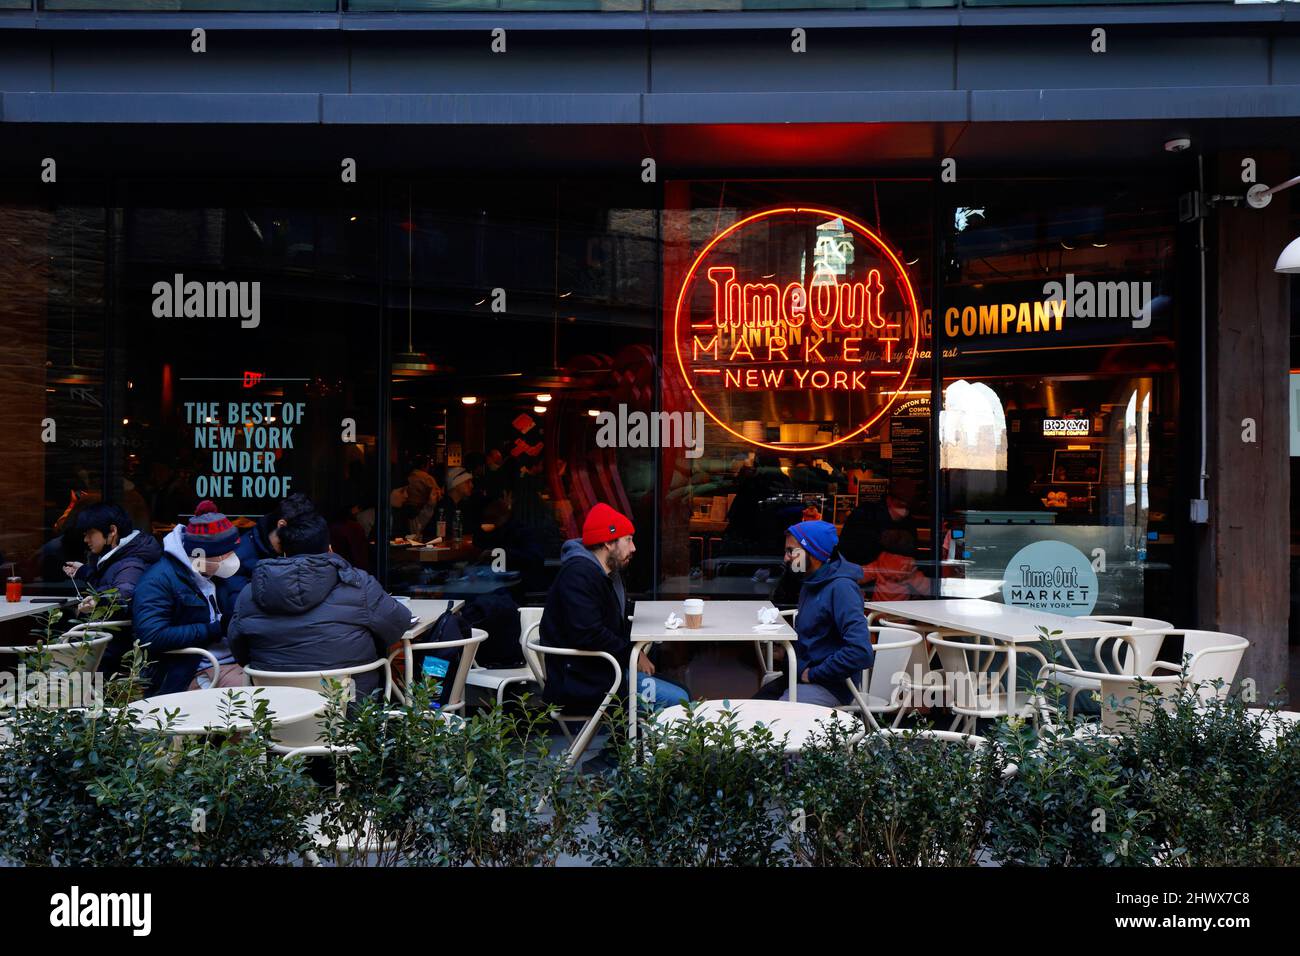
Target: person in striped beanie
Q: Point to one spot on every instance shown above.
(186, 600)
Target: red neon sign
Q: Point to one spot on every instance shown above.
(854, 338)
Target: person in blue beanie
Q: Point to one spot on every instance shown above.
(834, 642)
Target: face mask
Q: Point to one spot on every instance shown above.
(228, 566)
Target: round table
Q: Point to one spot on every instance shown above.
(782, 717)
(200, 710)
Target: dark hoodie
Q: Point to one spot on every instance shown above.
(584, 610)
(315, 612)
(122, 567)
(834, 642)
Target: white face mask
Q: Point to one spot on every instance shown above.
(228, 566)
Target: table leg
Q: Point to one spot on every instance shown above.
(793, 666)
(637, 647)
(408, 658)
(1013, 677)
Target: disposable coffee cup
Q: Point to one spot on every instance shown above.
(694, 609)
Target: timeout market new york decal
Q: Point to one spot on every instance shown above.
(1051, 576)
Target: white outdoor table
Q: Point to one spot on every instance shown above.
(998, 622)
(9, 610)
(724, 622)
(799, 721)
(200, 710)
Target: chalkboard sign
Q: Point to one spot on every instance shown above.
(1076, 467)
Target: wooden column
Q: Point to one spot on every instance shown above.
(1244, 555)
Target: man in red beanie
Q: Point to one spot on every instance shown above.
(586, 609)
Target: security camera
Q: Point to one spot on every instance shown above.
(1178, 145)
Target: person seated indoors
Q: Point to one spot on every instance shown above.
(263, 540)
(184, 601)
(586, 609)
(834, 643)
(311, 610)
(459, 502)
(118, 554)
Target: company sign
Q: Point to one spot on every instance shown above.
(1068, 427)
(801, 307)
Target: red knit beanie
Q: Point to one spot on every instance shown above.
(604, 524)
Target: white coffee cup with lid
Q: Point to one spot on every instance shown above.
(694, 609)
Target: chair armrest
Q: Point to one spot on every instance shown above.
(573, 652)
(201, 652)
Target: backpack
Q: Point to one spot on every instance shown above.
(439, 667)
(498, 614)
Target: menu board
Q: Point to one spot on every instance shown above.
(1077, 466)
(909, 434)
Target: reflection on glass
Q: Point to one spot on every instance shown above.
(972, 428)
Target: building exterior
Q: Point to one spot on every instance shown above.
(991, 259)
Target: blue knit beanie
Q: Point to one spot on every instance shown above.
(818, 538)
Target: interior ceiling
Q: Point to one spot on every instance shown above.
(1051, 148)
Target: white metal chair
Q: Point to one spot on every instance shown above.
(1124, 703)
(974, 674)
(883, 688)
(498, 680)
(83, 654)
(1133, 654)
(307, 737)
(535, 653)
(456, 699)
(120, 625)
(764, 651)
(1209, 656)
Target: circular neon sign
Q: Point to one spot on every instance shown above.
(797, 313)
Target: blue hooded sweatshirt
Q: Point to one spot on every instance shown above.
(834, 642)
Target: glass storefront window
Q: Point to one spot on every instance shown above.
(53, 386)
(1060, 416)
(246, 355)
(806, 343)
(519, 315)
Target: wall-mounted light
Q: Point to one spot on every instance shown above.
(469, 399)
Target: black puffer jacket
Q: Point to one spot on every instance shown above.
(315, 612)
(122, 568)
(583, 611)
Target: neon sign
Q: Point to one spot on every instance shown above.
(803, 309)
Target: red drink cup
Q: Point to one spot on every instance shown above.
(14, 590)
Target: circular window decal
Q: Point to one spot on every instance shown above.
(800, 316)
(1051, 576)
